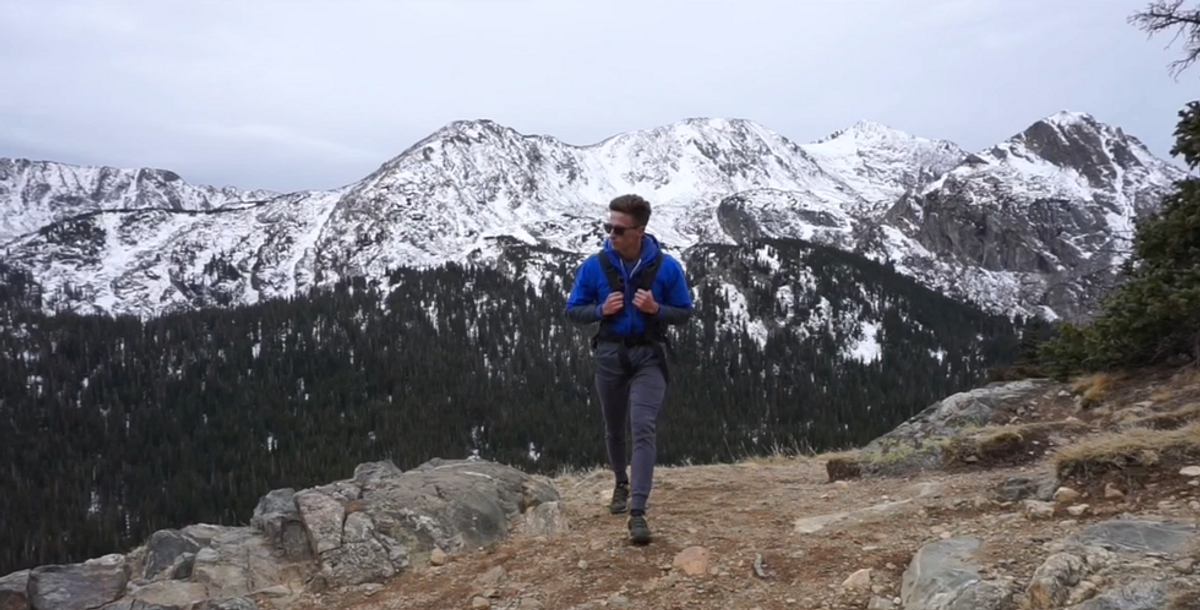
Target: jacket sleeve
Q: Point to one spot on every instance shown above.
(676, 307)
(583, 304)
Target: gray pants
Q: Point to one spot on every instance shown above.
(636, 393)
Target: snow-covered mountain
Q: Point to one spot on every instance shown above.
(34, 194)
(469, 191)
(1041, 219)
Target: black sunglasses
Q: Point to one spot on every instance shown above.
(616, 229)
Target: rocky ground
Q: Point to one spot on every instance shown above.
(777, 533)
(1021, 495)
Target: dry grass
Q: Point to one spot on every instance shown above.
(996, 445)
(1095, 387)
(1189, 376)
(1136, 447)
(1166, 420)
(1162, 394)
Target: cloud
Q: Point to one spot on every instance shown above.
(292, 95)
(271, 136)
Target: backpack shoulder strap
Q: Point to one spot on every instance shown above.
(646, 275)
(615, 283)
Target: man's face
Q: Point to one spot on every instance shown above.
(622, 229)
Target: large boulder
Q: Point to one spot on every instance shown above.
(1130, 557)
(12, 591)
(945, 575)
(360, 530)
(919, 443)
(78, 586)
(278, 517)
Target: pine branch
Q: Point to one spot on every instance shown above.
(1164, 15)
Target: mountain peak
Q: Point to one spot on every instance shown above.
(865, 131)
(1070, 117)
(1078, 142)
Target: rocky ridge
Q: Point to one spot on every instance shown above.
(1033, 225)
(1026, 494)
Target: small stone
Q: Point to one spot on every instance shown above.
(437, 557)
(692, 561)
(858, 580)
(1078, 509)
(1112, 493)
(1190, 471)
(583, 564)
(1082, 593)
(480, 603)
(1065, 495)
(492, 578)
(1037, 509)
(1185, 566)
(879, 603)
(841, 484)
(946, 535)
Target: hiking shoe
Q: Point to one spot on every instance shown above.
(620, 499)
(639, 531)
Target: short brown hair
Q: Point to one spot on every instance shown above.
(634, 205)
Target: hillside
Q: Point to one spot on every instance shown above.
(1081, 495)
(1034, 225)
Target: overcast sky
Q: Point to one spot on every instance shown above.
(298, 94)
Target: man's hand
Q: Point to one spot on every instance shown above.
(614, 303)
(644, 300)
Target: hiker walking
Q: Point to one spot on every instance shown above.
(633, 289)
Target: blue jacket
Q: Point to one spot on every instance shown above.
(670, 290)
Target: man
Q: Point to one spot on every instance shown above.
(633, 290)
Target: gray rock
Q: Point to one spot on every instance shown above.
(182, 568)
(915, 444)
(322, 516)
(277, 517)
(1139, 595)
(232, 603)
(368, 474)
(168, 594)
(126, 603)
(359, 557)
(164, 549)
(1051, 584)
(546, 520)
(451, 504)
(240, 560)
(1135, 535)
(944, 576)
(12, 591)
(78, 586)
(1037, 487)
(350, 533)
